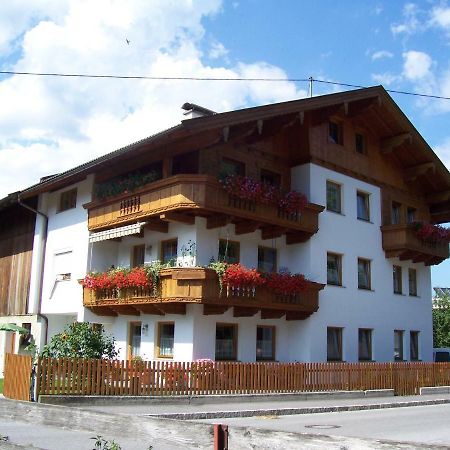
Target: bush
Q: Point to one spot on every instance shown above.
(80, 340)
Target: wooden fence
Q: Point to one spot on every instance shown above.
(17, 373)
(103, 377)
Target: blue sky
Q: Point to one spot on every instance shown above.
(49, 125)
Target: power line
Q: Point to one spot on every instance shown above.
(167, 78)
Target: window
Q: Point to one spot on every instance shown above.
(360, 143)
(334, 344)
(414, 345)
(138, 256)
(334, 269)
(265, 343)
(412, 281)
(398, 345)
(267, 259)
(270, 178)
(365, 344)
(63, 265)
(166, 333)
(397, 277)
(335, 134)
(362, 204)
(396, 213)
(25, 339)
(134, 340)
(169, 250)
(230, 166)
(364, 274)
(226, 342)
(229, 251)
(185, 163)
(334, 197)
(411, 215)
(67, 200)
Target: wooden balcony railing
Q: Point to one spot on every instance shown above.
(201, 195)
(181, 286)
(401, 241)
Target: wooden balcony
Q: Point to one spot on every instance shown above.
(401, 241)
(182, 286)
(182, 197)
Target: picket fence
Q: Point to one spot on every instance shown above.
(166, 378)
(17, 376)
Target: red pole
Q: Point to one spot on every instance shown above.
(220, 437)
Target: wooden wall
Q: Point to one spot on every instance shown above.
(16, 246)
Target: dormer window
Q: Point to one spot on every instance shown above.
(335, 133)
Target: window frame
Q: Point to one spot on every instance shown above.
(136, 252)
(411, 214)
(412, 292)
(397, 279)
(335, 127)
(416, 335)
(130, 345)
(227, 244)
(401, 352)
(272, 356)
(234, 327)
(397, 207)
(339, 268)
(367, 264)
(162, 246)
(363, 149)
(270, 174)
(338, 209)
(340, 352)
(366, 197)
(158, 345)
(370, 342)
(235, 163)
(70, 203)
(262, 248)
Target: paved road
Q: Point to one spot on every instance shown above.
(428, 425)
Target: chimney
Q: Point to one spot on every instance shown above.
(192, 111)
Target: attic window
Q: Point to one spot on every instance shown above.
(360, 143)
(270, 178)
(335, 133)
(230, 167)
(67, 200)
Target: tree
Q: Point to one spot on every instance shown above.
(80, 340)
(441, 321)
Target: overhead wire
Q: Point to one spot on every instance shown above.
(179, 78)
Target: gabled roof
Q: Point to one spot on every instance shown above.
(397, 122)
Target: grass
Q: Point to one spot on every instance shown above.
(1, 385)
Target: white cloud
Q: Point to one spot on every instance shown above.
(416, 65)
(382, 54)
(386, 78)
(52, 124)
(410, 23)
(440, 16)
(217, 50)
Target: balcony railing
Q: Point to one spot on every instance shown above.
(401, 241)
(181, 286)
(202, 195)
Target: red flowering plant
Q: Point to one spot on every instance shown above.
(293, 202)
(244, 188)
(432, 233)
(285, 283)
(241, 281)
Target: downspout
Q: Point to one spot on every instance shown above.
(41, 261)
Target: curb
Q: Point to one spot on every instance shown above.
(294, 411)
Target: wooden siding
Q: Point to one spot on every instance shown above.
(169, 378)
(401, 241)
(181, 286)
(17, 375)
(16, 247)
(199, 195)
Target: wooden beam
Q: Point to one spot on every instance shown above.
(297, 237)
(172, 308)
(177, 217)
(246, 227)
(103, 311)
(157, 225)
(411, 173)
(272, 313)
(148, 309)
(217, 221)
(297, 315)
(389, 144)
(272, 232)
(438, 197)
(242, 311)
(126, 310)
(209, 310)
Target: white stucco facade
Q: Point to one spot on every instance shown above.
(346, 307)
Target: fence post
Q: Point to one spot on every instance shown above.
(220, 437)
